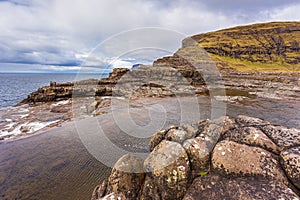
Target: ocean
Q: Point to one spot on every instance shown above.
(15, 87)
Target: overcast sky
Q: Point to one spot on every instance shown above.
(58, 35)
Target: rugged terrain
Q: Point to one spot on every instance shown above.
(261, 60)
(241, 158)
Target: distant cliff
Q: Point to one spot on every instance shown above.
(266, 47)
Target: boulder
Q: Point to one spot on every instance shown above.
(290, 160)
(177, 135)
(252, 136)
(244, 120)
(157, 138)
(284, 137)
(236, 188)
(199, 155)
(126, 177)
(168, 170)
(231, 158)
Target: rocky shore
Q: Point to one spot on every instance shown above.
(225, 158)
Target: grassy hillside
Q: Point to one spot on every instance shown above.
(260, 47)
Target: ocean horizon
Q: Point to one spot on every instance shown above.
(16, 86)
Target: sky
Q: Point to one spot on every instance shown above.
(68, 35)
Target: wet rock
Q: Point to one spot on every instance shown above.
(252, 136)
(232, 158)
(290, 160)
(199, 155)
(236, 188)
(282, 136)
(168, 170)
(126, 177)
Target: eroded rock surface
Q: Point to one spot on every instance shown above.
(291, 163)
(222, 158)
(219, 187)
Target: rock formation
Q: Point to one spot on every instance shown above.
(255, 60)
(212, 159)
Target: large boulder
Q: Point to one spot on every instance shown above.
(284, 137)
(199, 155)
(252, 136)
(168, 170)
(290, 160)
(231, 158)
(236, 188)
(126, 177)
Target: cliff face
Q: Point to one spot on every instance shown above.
(265, 43)
(267, 47)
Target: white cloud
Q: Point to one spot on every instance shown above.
(61, 32)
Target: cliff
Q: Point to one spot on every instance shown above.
(273, 45)
(253, 58)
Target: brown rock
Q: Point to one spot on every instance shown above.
(99, 191)
(168, 170)
(282, 136)
(290, 160)
(114, 196)
(236, 188)
(199, 155)
(60, 109)
(177, 135)
(126, 176)
(252, 136)
(157, 138)
(243, 120)
(232, 158)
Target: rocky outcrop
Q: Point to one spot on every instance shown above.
(213, 159)
(203, 66)
(85, 88)
(236, 188)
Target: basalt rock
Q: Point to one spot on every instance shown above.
(236, 188)
(222, 158)
(290, 160)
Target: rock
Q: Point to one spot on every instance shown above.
(60, 109)
(290, 160)
(284, 138)
(236, 188)
(177, 135)
(219, 159)
(126, 177)
(114, 196)
(231, 158)
(157, 138)
(199, 155)
(99, 191)
(253, 137)
(168, 170)
(243, 120)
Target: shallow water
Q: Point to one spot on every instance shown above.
(56, 165)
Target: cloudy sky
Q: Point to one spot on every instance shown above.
(59, 35)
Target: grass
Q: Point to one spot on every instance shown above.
(247, 66)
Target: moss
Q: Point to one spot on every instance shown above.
(203, 173)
